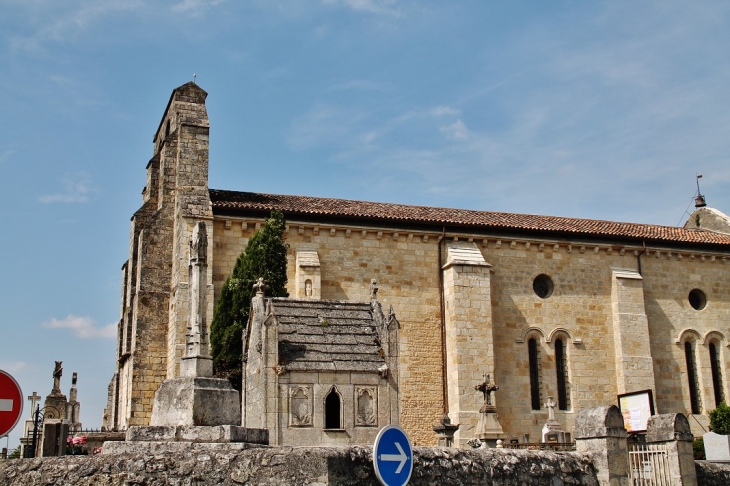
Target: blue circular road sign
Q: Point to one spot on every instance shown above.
(393, 456)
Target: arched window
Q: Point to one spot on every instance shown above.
(716, 374)
(332, 408)
(693, 382)
(561, 368)
(534, 356)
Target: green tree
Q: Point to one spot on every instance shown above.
(720, 419)
(265, 257)
(15, 454)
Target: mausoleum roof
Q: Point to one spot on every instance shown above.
(232, 202)
(326, 335)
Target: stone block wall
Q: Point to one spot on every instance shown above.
(580, 311)
(668, 279)
(321, 466)
(407, 272)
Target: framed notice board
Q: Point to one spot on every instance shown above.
(636, 408)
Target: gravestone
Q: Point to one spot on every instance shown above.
(55, 433)
(717, 447)
(488, 428)
(552, 431)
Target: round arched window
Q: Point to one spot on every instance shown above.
(697, 299)
(543, 286)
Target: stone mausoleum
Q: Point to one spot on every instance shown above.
(575, 309)
(320, 371)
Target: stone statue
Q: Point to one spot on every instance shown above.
(487, 388)
(199, 243)
(308, 288)
(550, 405)
(373, 289)
(57, 373)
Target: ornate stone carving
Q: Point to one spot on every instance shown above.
(300, 406)
(366, 414)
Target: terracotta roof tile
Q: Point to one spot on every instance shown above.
(304, 205)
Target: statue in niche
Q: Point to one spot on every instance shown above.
(301, 415)
(308, 288)
(374, 289)
(366, 407)
(199, 243)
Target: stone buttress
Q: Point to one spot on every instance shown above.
(151, 332)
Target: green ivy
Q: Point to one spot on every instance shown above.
(264, 256)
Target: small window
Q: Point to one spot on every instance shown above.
(692, 381)
(534, 356)
(332, 408)
(543, 286)
(697, 299)
(561, 368)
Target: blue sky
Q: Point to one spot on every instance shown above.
(603, 110)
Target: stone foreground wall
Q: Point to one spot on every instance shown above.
(299, 466)
(712, 473)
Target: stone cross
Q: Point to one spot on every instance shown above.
(57, 373)
(487, 388)
(196, 361)
(34, 398)
(550, 405)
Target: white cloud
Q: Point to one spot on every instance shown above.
(82, 327)
(379, 7)
(195, 7)
(77, 190)
(5, 156)
(445, 110)
(12, 366)
(456, 130)
(57, 22)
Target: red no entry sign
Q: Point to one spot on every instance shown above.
(11, 403)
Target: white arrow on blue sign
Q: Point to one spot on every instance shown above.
(393, 456)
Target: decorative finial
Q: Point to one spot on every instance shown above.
(73, 379)
(260, 286)
(193, 78)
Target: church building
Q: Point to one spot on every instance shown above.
(575, 309)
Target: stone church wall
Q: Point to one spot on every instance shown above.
(583, 311)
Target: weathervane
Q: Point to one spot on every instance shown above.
(699, 199)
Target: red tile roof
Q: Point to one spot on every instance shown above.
(233, 201)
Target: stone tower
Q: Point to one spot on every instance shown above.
(152, 327)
